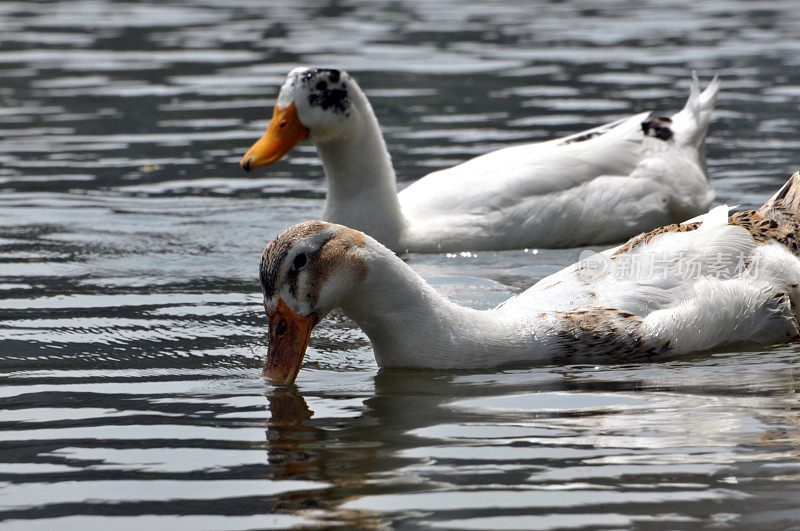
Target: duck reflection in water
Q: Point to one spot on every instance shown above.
(290, 437)
(351, 453)
(377, 440)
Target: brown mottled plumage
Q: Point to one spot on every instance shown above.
(646, 237)
(777, 220)
(604, 332)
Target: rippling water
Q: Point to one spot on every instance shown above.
(131, 333)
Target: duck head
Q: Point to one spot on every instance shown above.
(305, 273)
(313, 103)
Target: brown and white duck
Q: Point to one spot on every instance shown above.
(716, 280)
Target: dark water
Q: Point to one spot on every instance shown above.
(131, 332)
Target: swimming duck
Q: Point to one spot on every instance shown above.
(683, 288)
(602, 185)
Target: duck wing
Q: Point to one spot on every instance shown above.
(683, 288)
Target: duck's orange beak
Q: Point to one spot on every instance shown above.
(283, 133)
(288, 340)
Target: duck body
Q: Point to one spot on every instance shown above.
(597, 186)
(682, 288)
(558, 193)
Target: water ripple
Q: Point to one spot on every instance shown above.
(131, 327)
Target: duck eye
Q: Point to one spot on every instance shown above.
(299, 261)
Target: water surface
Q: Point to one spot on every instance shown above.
(131, 332)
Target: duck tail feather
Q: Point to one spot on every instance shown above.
(787, 198)
(690, 124)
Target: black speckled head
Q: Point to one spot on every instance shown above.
(322, 88)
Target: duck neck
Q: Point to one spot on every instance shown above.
(411, 325)
(361, 181)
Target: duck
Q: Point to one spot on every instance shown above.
(719, 279)
(598, 186)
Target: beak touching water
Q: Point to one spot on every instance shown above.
(283, 133)
(288, 340)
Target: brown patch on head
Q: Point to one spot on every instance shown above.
(337, 250)
(333, 246)
(352, 237)
(278, 249)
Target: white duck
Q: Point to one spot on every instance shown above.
(675, 290)
(597, 186)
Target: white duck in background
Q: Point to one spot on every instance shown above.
(597, 186)
(675, 290)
